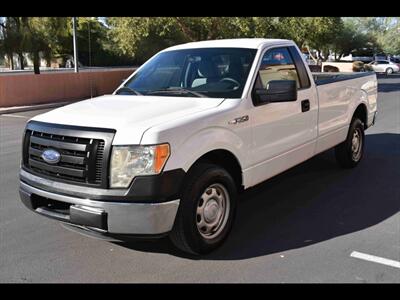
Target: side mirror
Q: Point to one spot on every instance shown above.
(277, 91)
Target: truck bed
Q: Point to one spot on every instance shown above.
(340, 92)
(321, 78)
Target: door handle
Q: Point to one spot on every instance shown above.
(305, 105)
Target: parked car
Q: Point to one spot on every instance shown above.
(384, 66)
(168, 152)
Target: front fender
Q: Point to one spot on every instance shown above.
(203, 141)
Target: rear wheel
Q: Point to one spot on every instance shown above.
(350, 152)
(389, 71)
(206, 211)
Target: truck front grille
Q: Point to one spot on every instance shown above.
(83, 158)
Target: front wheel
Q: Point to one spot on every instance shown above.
(389, 71)
(206, 211)
(350, 152)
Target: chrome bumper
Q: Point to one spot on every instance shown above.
(119, 217)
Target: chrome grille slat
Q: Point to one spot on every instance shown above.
(59, 176)
(56, 169)
(76, 160)
(35, 152)
(57, 144)
(62, 151)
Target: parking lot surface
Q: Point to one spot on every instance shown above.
(313, 223)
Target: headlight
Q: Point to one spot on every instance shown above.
(130, 161)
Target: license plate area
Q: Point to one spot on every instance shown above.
(67, 212)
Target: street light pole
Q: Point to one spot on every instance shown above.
(75, 45)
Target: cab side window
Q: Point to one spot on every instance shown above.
(277, 64)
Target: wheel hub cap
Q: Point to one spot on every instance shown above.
(356, 144)
(212, 211)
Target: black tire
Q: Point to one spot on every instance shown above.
(389, 71)
(185, 234)
(346, 155)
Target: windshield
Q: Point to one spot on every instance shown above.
(202, 72)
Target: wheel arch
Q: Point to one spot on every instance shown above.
(391, 68)
(227, 160)
(361, 112)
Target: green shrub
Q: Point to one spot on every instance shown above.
(329, 68)
(368, 67)
(358, 66)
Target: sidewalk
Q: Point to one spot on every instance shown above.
(15, 109)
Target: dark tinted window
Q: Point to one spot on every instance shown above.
(211, 72)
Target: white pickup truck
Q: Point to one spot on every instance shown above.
(168, 152)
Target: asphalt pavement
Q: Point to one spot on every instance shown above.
(313, 223)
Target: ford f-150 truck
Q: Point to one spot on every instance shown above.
(168, 152)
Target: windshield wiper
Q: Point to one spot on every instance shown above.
(127, 88)
(177, 90)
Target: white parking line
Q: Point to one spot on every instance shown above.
(14, 116)
(376, 259)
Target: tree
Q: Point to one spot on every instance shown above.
(125, 40)
(96, 46)
(55, 33)
(311, 32)
(16, 37)
(390, 41)
(384, 31)
(142, 37)
(348, 39)
(11, 40)
(353, 37)
(35, 39)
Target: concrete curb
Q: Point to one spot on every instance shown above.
(15, 109)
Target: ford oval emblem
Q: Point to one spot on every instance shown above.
(51, 156)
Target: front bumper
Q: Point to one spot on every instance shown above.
(104, 217)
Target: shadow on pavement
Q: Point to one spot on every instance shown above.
(313, 202)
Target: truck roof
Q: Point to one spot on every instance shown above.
(253, 43)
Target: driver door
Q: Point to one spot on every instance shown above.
(284, 133)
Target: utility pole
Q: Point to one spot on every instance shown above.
(75, 45)
(90, 62)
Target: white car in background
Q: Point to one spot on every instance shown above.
(384, 66)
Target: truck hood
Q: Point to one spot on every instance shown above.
(128, 115)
